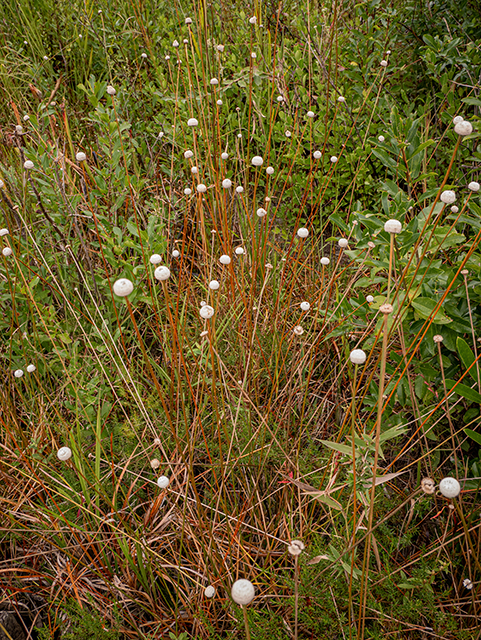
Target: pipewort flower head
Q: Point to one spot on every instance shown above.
(64, 453)
(257, 161)
(302, 232)
(225, 259)
(214, 285)
(325, 261)
(448, 197)
(473, 186)
(18, 373)
(243, 592)
(305, 306)
(6, 251)
(206, 311)
(296, 547)
(123, 287)
(450, 487)
(80, 156)
(155, 258)
(28, 164)
(162, 273)
(31, 368)
(163, 482)
(392, 226)
(209, 591)
(357, 356)
(463, 128)
(343, 243)
(192, 122)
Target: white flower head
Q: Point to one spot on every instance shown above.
(18, 373)
(298, 331)
(220, 48)
(194, 170)
(188, 21)
(239, 251)
(226, 183)
(110, 90)
(209, 591)
(270, 171)
(155, 258)
(325, 261)
(383, 63)
(369, 299)
(214, 81)
(317, 155)
(201, 188)
(64, 453)
(31, 368)
(448, 197)
(457, 119)
(473, 186)
(253, 20)
(2, 183)
(280, 99)
(310, 114)
(206, 312)
(343, 243)
(381, 138)
(357, 356)
(243, 592)
(334, 159)
(305, 306)
(219, 102)
(393, 226)
(192, 122)
(261, 212)
(302, 232)
(254, 55)
(187, 191)
(341, 99)
(123, 287)
(467, 584)
(288, 134)
(80, 156)
(214, 285)
(296, 547)
(188, 154)
(239, 189)
(224, 155)
(163, 482)
(28, 164)
(162, 273)
(225, 259)
(175, 44)
(463, 128)
(6, 251)
(143, 55)
(454, 209)
(175, 253)
(18, 129)
(257, 161)
(450, 487)
(3, 232)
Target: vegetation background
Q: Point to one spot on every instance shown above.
(263, 425)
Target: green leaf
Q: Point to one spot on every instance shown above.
(467, 356)
(342, 448)
(330, 502)
(463, 390)
(425, 308)
(474, 435)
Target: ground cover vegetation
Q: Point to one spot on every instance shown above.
(240, 293)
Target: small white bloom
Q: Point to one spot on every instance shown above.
(267, 199)
(220, 48)
(201, 188)
(467, 584)
(175, 44)
(305, 306)
(381, 138)
(3, 232)
(239, 135)
(239, 189)
(31, 368)
(325, 261)
(2, 183)
(214, 285)
(239, 251)
(6, 251)
(163, 482)
(341, 99)
(343, 243)
(188, 21)
(253, 20)
(302, 232)
(357, 356)
(449, 487)
(123, 287)
(209, 591)
(370, 299)
(383, 63)
(206, 312)
(243, 592)
(194, 170)
(175, 253)
(192, 122)
(214, 81)
(392, 226)
(167, 57)
(317, 155)
(28, 164)
(270, 171)
(226, 183)
(298, 331)
(254, 55)
(26, 117)
(257, 161)
(261, 212)
(288, 134)
(224, 259)
(155, 258)
(187, 191)
(143, 55)
(110, 90)
(64, 453)
(454, 209)
(463, 128)
(219, 102)
(45, 57)
(224, 155)
(18, 373)
(448, 197)
(280, 99)
(80, 156)
(161, 134)
(18, 129)
(473, 186)
(296, 547)
(162, 273)
(457, 119)
(188, 154)
(310, 114)
(333, 159)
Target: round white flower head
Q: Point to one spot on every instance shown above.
(192, 122)
(209, 591)
(243, 592)
(473, 186)
(239, 135)
(143, 55)
(224, 155)
(194, 170)
(449, 487)
(305, 306)
(257, 161)
(467, 584)
(31, 368)
(296, 547)
(463, 128)
(219, 102)
(369, 299)
(220, 47)
(448, 197)
(18, 373)
(280, 99)
(45, 57)
(381, 138)
(80, 156)
(253, 20)
(3, 232)
(167, 57)
(357, 356)
(2, 183)
(188, 21)
(214, 81)
(214, 285)
(64, 453)
(270, 171)
(123, 287)
(18, 128)
(162, 273)
(155, 258)
(343, 243)
(457, 119)
(188, 154)
(239, 189)
(261, 212)
(302, 232)
(226, 183)
(254, 55)
(298, 331)
(187, 191)
(317, 155)
(28, 164)
(175, 44)
(201, 188)
(163, 482)
(437, 338)
(175, 253)
(341, 99)
(110, 90)
(334, 159)
(325, 261)
(288, 134)
(383, 63)
(310, 114)
(454, 209)
(393, 226)
(6, 251)
(239, 251)
(206, 311)
(224, 259)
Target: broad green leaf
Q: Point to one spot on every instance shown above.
(463, 390)
(474, 435)
(467, 357)
(342, 448)
(425, 308)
